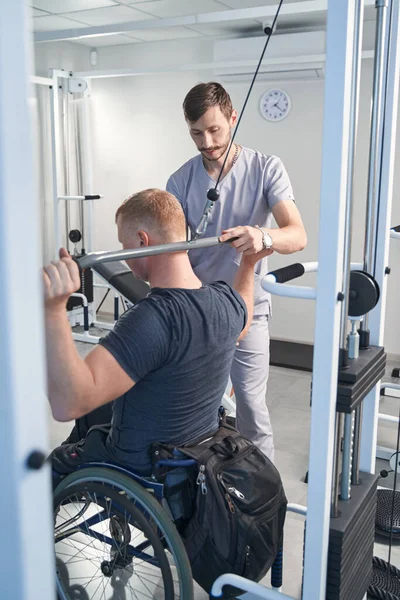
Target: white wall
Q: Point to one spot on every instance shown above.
(140, 138)
(61, 55)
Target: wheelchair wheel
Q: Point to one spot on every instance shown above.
(114, 540)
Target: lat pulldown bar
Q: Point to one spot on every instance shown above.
(89, 260)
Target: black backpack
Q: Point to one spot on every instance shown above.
(233, 506)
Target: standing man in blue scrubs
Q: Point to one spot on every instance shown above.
(253, 188)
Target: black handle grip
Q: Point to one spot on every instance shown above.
(397, 228)
(288, 273)
(92, 197)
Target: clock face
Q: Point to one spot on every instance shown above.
(275, 105)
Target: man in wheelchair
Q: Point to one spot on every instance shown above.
(159, 376)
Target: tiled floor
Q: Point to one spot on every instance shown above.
(289, 402)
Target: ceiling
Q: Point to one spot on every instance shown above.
(92, 18)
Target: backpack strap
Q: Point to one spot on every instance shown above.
(221, 441)
(227, 447)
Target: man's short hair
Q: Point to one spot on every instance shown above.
(204, 96)
(154, 210)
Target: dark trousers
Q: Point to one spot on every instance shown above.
(86, 443)
(99, 416)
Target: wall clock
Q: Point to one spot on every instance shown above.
(275, 105)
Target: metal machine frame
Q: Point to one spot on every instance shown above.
(334, 185)
(25, 503)
(22, 366)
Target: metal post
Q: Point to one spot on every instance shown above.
(57, 164)
(355, 90)
(375, 157)
(345, 488)
(355, 468)
(66, 158)
(87, 170)
(335, 163)
(79, 168)
(27, 556)
(55, 146)
(336, 465)
(377, 315)
(344, 351)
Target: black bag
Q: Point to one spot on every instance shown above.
(239, 507)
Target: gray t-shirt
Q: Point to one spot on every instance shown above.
(248, 192)
(178, 345)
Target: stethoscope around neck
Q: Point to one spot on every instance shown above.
(213, 193)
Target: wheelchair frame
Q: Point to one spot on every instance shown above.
(122, 478)
(145, 496)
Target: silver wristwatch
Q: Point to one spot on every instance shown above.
(266, 238)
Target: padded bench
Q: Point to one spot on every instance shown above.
(121, 278)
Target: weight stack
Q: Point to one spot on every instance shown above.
(86, 289)
(358, 379)
(351, 543)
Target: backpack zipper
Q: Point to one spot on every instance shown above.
(201, 480)
(247, 556)
(232, 510)
(230, 503)
(230, 488)
(233, 490)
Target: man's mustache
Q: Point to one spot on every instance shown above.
(211, 149)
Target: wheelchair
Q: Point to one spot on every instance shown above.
(115, 538)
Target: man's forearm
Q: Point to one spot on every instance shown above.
(244, 285)
(289, 239)
(69, 379)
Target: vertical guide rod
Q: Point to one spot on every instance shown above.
(336, 465)
(345, 487)
(55, 147)
(76, 110)
(354, 106)
(377, 315)
(87, 170)
(355, 467)
(66, 158)
(375, 157)
(343, 356)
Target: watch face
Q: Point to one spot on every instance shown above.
(275, 105)
(268, 240)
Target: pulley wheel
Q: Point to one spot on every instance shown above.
(394, 462)
(75, 236)
(363, 293)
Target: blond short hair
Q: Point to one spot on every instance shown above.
(154, 210)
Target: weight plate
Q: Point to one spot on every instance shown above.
(75, 236)
(363, 293)
(375, 284)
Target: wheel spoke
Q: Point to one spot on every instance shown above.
(121, 555)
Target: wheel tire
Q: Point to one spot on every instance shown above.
(134, 491)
